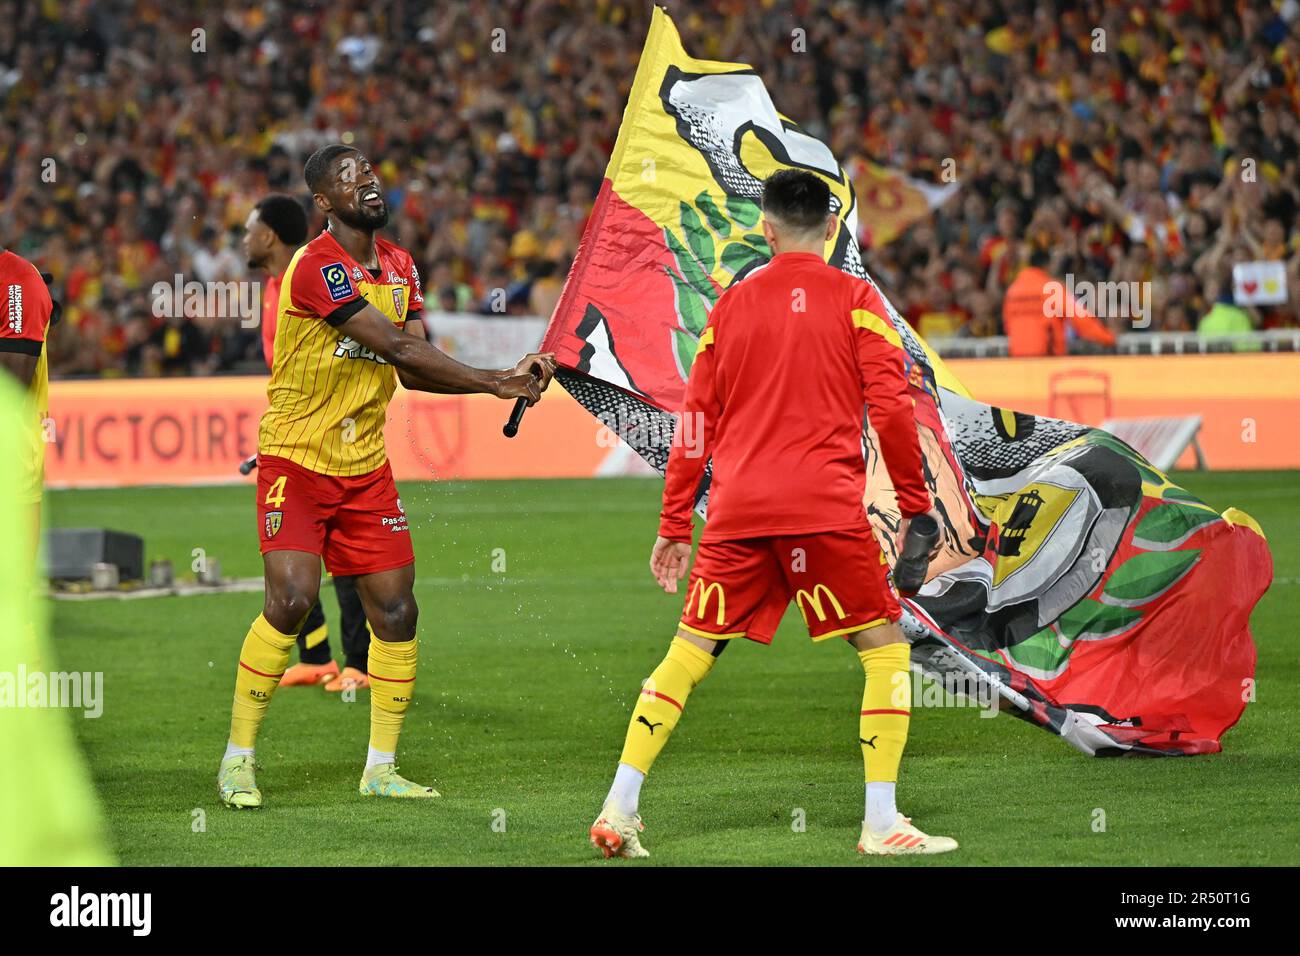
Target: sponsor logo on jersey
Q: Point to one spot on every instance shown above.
(16, 309)
(349, 347)
(337, 283)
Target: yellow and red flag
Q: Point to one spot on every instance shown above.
(1076, 582)
(891, 200)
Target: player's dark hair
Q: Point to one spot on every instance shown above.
(318, 164)
(797, 199)
(285, 217)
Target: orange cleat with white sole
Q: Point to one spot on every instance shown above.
(350, 679)
(903, 839)
(308, 675)
(616, 834)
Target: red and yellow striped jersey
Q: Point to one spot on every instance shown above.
(329, 395)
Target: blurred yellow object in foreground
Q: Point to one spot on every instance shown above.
(48, 812)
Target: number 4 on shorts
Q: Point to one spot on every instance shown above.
(275, 495)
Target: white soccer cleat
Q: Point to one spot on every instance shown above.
(902, 838)
(615, 834)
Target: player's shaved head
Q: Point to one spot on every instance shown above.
(316, 172)
(797, 203)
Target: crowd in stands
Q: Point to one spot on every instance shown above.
(1155, 143)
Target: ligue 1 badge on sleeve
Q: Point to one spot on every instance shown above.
(337, 283)
(273, 519)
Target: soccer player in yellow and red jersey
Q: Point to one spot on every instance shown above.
(274, 230)
(26, 312)
(785, 364)
(348, 331)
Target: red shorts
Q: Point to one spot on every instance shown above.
(742, 588)
(356, 523)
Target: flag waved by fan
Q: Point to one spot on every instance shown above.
(1091, 594)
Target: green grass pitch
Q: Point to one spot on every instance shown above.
(526, 679)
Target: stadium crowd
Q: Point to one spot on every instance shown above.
(1167, 154)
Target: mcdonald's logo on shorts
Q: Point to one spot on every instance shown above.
(815, 601)
(701, 593)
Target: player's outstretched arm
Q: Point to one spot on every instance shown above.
(426, 368)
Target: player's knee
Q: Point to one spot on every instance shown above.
(287, 609)
(395, 619)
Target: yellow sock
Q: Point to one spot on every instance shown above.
(392, 681)
(262, 661)
(886, 710)
(660, 704)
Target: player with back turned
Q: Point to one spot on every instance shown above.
(348, 330)
(784, 366)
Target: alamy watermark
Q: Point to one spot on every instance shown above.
(652, 431)
(950, 690)
(1103, 300)
(236, 299)
(73, 690)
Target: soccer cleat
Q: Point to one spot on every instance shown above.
(615, 834)
(382, 780)
(902, 838)
(350, 679)
(236, 784)
(306, 675)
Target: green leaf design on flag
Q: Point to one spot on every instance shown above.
(1146, 575)
(1091, 620)
(744, 211)
(758, 242)
(690, 268)
(1165, 527)
(697, 237)
(686, 346)
(717, 221)
(737, 256)
(1041, 655)
(692, 310)
(1107, 440)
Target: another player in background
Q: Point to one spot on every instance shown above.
(348, 330)
(785, 364)
(26, 313)
(275, 229)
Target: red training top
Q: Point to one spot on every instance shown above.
(270, 309)
(775, 396)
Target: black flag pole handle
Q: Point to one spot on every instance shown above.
(511, 428)
(914, 561)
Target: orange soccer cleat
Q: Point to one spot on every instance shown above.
(309, 674)
(350, 679)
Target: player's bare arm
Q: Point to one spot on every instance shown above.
(426, 368)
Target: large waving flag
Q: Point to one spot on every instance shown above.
(1094, 596)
